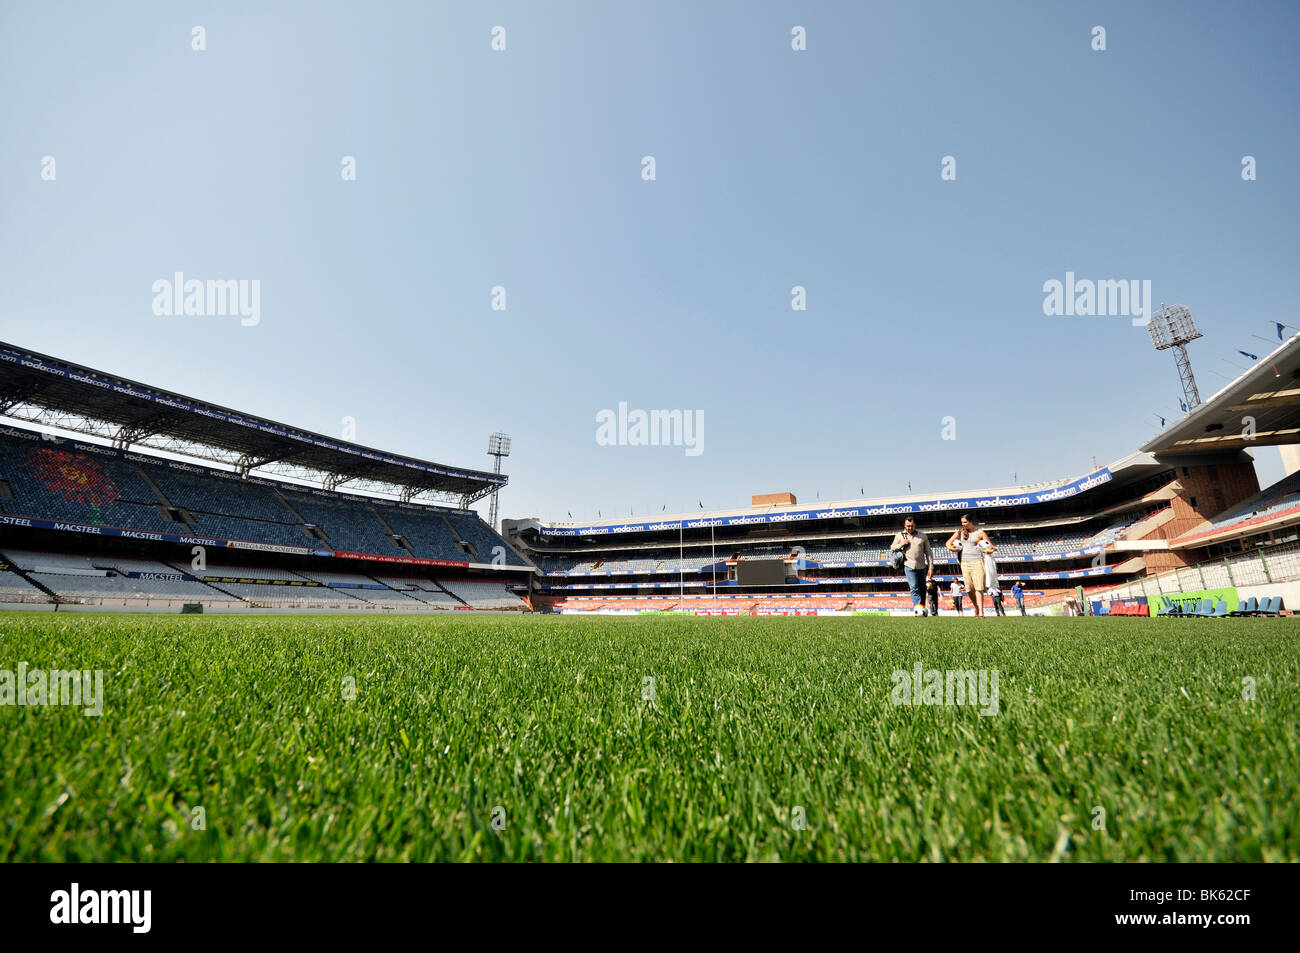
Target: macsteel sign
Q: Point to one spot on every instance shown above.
(1062, 492)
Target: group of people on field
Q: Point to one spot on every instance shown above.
(979, 571)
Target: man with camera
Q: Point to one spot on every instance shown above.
(918, 561)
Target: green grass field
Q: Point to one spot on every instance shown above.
(544, 717)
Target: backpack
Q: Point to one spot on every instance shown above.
(896, 558)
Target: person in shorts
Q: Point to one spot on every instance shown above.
(971, 543)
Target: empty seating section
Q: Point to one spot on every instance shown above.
(633, 564)
(14, 588)
(425, 590)
(437, 599)
(63, 481)
(477, 533)
(427, 532)
(126, 590)
(1009, 544)
(563, 564)
(337, 578)
(856, 555)
(253, 531)
(404, 583)
(351, 584)
(35, 561)
(227, 496)
(349, 524)
(53, 481)
(104, 578)
(388, 599)
(484, 595)
(247, 572)
(286, 597)
(228, 508)
(691, 563)
(1276, 499)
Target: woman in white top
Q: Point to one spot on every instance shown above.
(972, 543)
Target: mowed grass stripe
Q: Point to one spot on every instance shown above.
(753, 717)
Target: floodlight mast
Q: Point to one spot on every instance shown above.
(1173, 327)
(498, 447)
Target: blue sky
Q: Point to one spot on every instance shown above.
(523, 169)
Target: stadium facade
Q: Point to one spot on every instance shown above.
(1182, 512)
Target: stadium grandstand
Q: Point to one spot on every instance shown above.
(109, 490)
(1182, 518)
(118, 495)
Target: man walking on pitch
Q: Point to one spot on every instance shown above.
(955, 591)
(972, 543)
(1019, 593)
(918, 561)
(996, 595)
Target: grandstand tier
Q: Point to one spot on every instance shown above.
(1108, 528)
(105, 404)
(120, 578)
(163, 501)
(76, 487)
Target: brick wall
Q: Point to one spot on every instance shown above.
(1207, 491)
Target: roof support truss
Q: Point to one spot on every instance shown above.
(152, 434)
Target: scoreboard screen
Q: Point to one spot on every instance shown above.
(760, 572)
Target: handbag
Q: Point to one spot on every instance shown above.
(896, 558)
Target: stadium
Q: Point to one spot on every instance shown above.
(180, 505)
(234, 631)
(121, 502)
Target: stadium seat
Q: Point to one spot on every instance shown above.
(1247, 608)
(426, 530)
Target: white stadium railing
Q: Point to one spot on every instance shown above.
(1265, 566)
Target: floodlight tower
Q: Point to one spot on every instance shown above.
(1173, 327)
(498, 447)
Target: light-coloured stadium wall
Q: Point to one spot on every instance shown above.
(1268, 571)
(1289, 591)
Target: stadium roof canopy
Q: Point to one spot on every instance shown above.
(1265, 400)
(57, 393)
